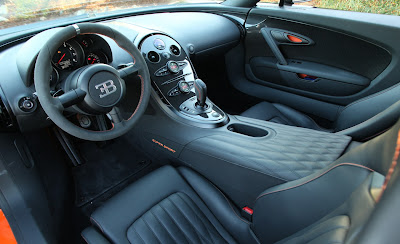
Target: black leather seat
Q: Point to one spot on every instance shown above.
(332, 205)
(360, 119)
(281, 114)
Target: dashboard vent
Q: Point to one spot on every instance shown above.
(175, 50)
(5, 117)
(153, 57)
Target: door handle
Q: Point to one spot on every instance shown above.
(266, 33)
(275, 37)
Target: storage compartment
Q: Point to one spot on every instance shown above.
(307, 76)
(247, 130)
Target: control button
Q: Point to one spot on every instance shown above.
(215, 114)
(191, 48)
(159, 44)
(27, 104)
(173, 67)
(184, 86)
(174, 92)
(182, 65)
(166, 55)
(162, 71)
(84, 121)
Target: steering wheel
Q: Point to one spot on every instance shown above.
(95, 89)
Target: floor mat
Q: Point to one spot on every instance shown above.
(105, 167)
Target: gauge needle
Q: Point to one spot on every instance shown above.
(94, 60)
(61, 58)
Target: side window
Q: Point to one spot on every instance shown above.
(391, 7)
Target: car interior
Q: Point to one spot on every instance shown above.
(232, 122)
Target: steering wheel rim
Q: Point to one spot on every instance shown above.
(54, 107)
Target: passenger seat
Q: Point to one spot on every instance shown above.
(361, 119)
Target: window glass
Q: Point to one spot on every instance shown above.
(21, 12)
(367, 6)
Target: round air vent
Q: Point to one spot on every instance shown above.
(153, 57)
(175, 50)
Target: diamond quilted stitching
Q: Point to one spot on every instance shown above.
(291, 154)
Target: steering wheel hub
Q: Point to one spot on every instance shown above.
(103, 87)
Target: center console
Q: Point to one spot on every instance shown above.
(176, 83)
(184, 127)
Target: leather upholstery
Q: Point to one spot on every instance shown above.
(361, 119)
(368, 107)
(329, 206)
(91, 235)
(176, 219)
(331, 186)
(163, 208)
(222, 208)
(287, 153)
(333, 230)
(309, 199)
(281, 114)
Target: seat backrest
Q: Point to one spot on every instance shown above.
(370, 115)
(336, 201)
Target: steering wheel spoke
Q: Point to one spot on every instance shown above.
(116, 115)
(133, 69)
(71, 97)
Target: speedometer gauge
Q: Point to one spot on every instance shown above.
(96, 57)
(65, 57)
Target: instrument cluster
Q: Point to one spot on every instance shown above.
(77, 52)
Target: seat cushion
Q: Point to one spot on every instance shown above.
(176, 219)
(280, 114)
(163, 208)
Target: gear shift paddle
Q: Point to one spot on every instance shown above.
(201, 92)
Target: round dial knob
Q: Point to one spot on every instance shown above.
(173, 67)
(184, 86)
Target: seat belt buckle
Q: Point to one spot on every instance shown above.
(247, 213)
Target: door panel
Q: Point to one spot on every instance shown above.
(351, 55)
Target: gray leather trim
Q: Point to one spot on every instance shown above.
(287, 209)
(116, 216)
(367, 107)
(92, 236)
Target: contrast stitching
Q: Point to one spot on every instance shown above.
(368, 97)
(239, 165)
(84, 239)
(230, 205)
(350, 164)
(98, 225)
(392, 166)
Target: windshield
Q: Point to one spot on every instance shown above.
(21, 12)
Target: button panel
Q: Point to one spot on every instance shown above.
(163, 71)
(176, 90)
(27, 104)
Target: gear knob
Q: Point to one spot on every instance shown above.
(201, 92)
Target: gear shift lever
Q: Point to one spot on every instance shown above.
(201, 92)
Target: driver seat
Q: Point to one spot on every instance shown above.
(338, 204)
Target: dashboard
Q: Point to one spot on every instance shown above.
(167, 48)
